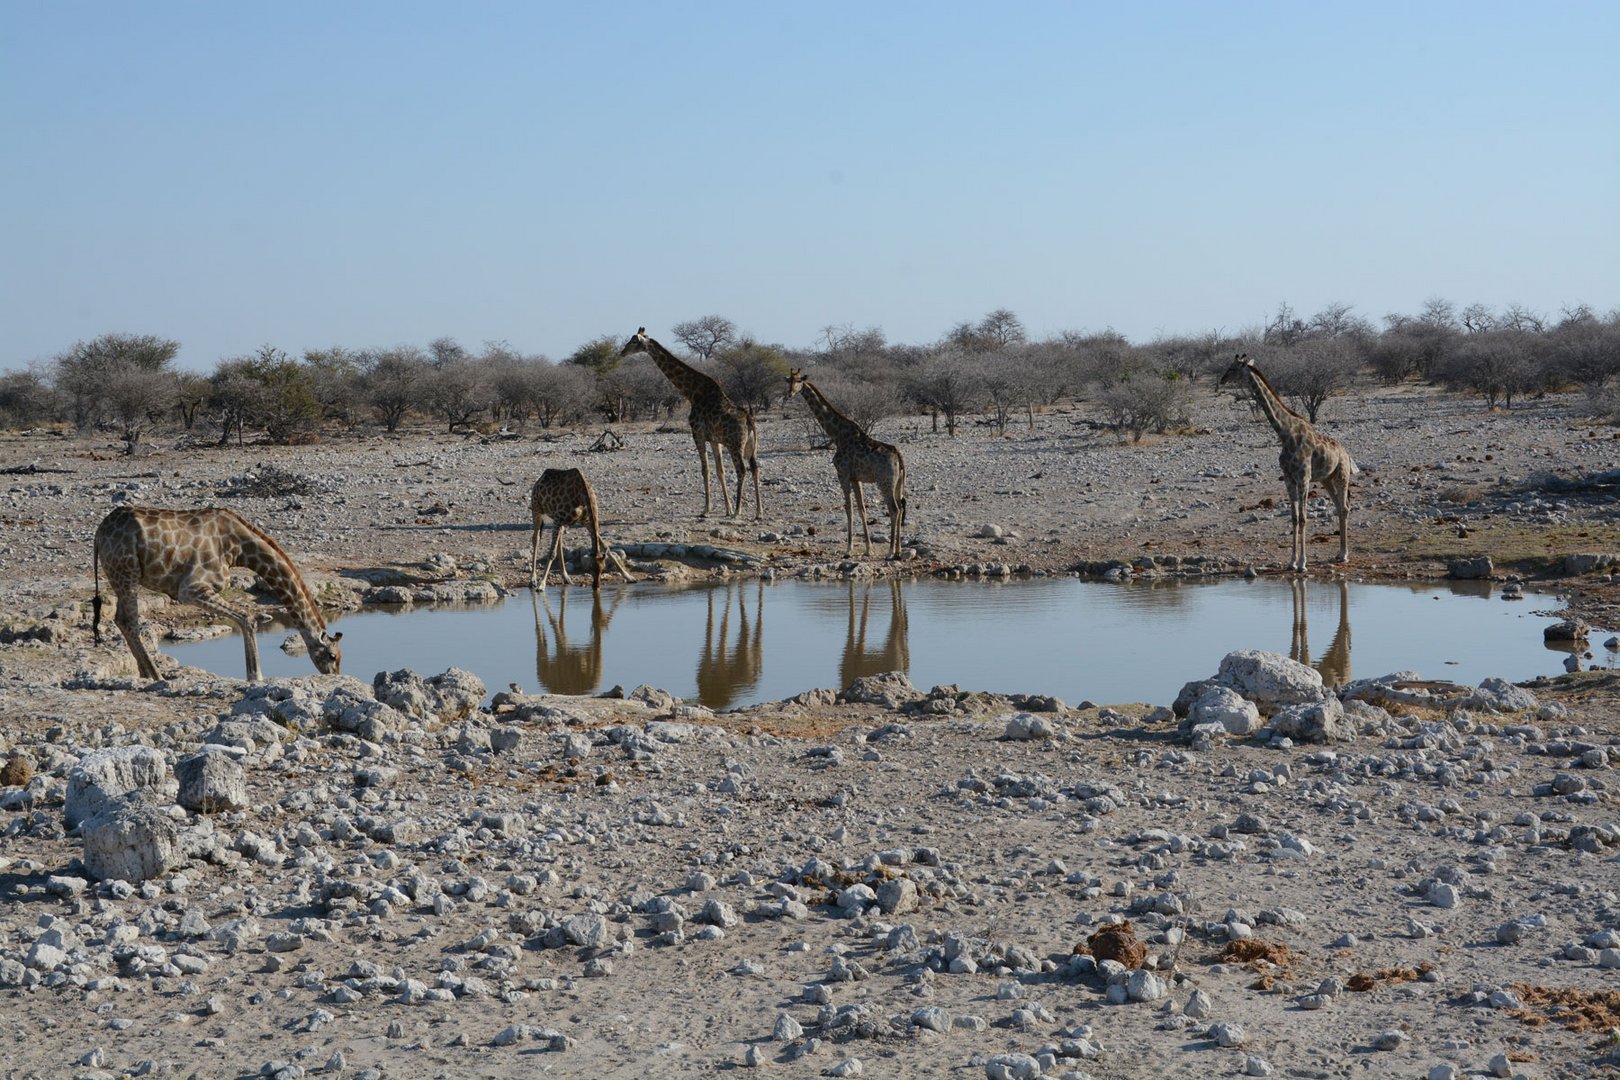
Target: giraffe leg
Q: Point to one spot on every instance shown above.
(551, 557)
(893, 504)
(703, 460)
(759, 506)
(1300, 499)
(1340, 490)
(559, 556)
(533, 554)
(849, 518)
(720, 479)
(210, 602)
(128, 620)
(742, 476)
(618, 560)
(860, 503)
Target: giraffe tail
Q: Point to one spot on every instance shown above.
(95, 602)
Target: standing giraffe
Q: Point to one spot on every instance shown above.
(858, 458)
(187, 556)
(1307, 454)
(565, 496)
(716, 422)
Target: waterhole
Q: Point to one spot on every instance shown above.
(740, 642)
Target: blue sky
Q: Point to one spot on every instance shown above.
(371, 174)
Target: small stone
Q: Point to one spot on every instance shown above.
(1145, 986)
(1388, 1040)
(1228, 1034)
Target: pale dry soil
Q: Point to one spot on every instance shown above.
(1013, 852)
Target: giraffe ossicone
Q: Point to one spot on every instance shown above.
(187, 556)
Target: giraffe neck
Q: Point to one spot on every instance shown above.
(691, 382)
(1288, 424)
(262, 555)
(837, 426)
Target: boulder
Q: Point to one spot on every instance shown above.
(1567, 630)
(1224, 706)
(343, 701)
(1026, 726)
(1319, 722)
(897, 896)
(104, 775)
(1270, 680)
(1470, 569)
(1499, 695)
(447, 698)
(1586, 562)
(211, 781)
(131, 839)
(891, 689)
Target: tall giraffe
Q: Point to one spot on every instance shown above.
(716, 422)
(187, 556)
(565, 496)
(858, 458)
(1307, 454)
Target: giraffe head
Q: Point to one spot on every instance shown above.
(637, 343)
(795, 381)
(326, 653)
(1240, 364)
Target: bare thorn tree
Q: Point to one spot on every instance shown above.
(706, 336)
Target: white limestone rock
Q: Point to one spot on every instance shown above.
(210, 782)
(1270, 680)
(132, 839)
(103, 776)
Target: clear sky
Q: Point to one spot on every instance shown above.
(307, 174)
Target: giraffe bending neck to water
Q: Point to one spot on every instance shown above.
(858, 458)
(716, 422)
(1307, 454)
(566, 497)
(187, 555)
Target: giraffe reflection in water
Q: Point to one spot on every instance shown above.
(730, 665)
(1334, 665)
(560, 668)
(893, 654)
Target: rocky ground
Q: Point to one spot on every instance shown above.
(336, 875)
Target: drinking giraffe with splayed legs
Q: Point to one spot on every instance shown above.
(187, 555)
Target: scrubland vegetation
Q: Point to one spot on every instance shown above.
(986, 372)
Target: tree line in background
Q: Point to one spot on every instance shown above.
(988, 368)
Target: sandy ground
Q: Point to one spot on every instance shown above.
(593, 887)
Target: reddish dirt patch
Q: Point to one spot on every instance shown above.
(1585, 1012)
(1254, 950)
(1363, 981)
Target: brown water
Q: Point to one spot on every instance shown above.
(741, 642)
